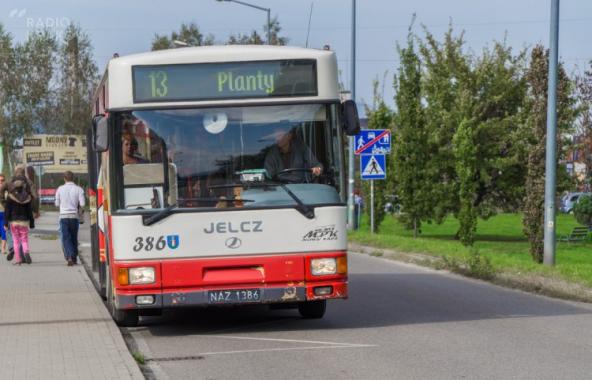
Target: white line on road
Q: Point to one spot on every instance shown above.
(287, 340)
(283, 349)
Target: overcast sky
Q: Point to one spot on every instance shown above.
(128, 26)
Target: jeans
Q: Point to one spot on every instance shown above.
(69, 232)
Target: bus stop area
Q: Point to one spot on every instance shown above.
(53, 324)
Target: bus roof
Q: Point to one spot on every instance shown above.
(121, 94)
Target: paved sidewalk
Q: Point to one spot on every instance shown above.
(53, 324)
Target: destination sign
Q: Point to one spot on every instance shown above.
(226, 80)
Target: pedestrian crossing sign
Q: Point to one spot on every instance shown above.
(373, 166)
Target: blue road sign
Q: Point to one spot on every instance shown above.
(373, 166)
(373, 141)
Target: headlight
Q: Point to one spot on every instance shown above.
(141, 275)
(319, 267)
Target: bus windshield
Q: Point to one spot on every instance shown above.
(229, 156)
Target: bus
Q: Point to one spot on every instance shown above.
(218, 178)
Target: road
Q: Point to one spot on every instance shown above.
(401, 322)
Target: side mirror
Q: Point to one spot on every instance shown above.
(100, 133)
(349, 117)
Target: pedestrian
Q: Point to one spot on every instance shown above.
(69, 198)
(3, 246)
(18, 214)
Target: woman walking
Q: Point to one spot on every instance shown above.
(18, 214)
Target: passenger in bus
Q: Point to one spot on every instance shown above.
(129, 146)
(289, 152)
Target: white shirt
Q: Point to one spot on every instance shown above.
(68, 197)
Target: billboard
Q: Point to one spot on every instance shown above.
(56, 153)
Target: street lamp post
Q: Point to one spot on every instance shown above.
(351, 159)
(268, 10)
(550, 175)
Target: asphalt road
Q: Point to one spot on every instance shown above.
(401, 322)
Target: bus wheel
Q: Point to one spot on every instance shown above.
(123, 318)
(312, 309)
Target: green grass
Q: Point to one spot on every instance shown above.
(139, 357)
(499, 238)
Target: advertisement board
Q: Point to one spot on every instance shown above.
(56, 153)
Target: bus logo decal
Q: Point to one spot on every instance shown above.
(321, 233)
(233, 242)
(173, 241)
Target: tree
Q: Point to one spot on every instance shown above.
(445, 65)
(490, 176)
(583, 135)
(78, 78)
(534, 130)
(254, 38)
(7, 97)
(36, 93)
(410, 155)
(188, 33)
(243, 39)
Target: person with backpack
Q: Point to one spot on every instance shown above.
(18, 214)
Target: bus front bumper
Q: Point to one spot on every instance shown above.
(228, 296)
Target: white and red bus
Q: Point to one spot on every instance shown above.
(187, 209)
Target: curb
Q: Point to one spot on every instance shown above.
(535, 284)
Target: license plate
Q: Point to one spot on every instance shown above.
(234, 296)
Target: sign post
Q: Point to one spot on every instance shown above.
(372, 145)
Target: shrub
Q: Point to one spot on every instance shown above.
(583, 210)
(475, 265)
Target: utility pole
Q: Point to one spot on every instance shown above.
(268, 10)
(550, 163)
(351, 161)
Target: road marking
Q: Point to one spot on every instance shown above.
(86, 245)
(193, 357)
(288, 340)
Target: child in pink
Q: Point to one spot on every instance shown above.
(18, 215)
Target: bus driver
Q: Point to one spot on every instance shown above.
(290, 152)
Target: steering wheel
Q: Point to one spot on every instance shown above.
(292, 170)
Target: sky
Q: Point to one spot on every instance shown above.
(128, 26)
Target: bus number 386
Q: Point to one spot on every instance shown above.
(149, 243)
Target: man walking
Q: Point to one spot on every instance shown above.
(69, 197)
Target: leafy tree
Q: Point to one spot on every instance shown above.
(583, 210)
(410, 154)
(36, 92)
(444, 66)
(78, 78)
(8, 132)
(188, 33)
(246, 39)
(584, 125)
(534, 131)
(490, 176)
(254, 38)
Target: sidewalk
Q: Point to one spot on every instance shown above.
(53, 324)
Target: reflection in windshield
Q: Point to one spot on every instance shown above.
(206, 149)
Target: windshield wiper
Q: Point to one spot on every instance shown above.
(301, 207)
(157, 217)
(149, 220)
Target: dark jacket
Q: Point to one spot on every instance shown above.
(19, 202)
